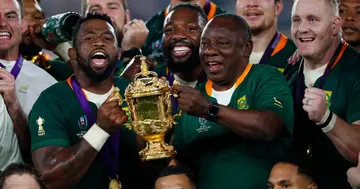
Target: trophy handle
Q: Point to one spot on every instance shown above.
(176, 116)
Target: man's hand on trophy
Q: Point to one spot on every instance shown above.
(38, 38)
(191, 101)
(135, 33)
(110, 116)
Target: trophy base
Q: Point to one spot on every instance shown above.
(157, 150)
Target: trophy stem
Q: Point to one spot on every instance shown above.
(156, 150)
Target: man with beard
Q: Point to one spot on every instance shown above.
(33, 46)
(327, 117)
(75, 124)
(270, 46)
(131, 34)
(153, 44)
(236, 125)
(349, 13)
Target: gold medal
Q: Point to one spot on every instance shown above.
(115, 184)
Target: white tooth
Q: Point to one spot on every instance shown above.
(181, 48)
(4, 34)
(99, 53)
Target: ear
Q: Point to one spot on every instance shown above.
(312, 186)
(336, 25)
(248, 46)
(127, 16)
(24, 25)
(72, 54)
(279, 7)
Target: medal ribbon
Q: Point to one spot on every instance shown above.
(110, 151)
(17, 67)
(300, 81)
(270, 48)
(174, 103)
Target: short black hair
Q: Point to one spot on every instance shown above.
(90, 16)
(240, 24)
(20, 169)
(202, 15)
(176, 170)
(303, 168)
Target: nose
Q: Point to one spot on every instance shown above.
(303, 27)
(2, 21)
(98, 43)
(252, 4)
(350, 18)
(210, 51)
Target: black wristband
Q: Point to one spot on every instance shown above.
(326, 123)
(131, 53)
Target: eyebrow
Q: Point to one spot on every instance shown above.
(11, 12)
(113, 3)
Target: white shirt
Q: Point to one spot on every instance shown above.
(185, 83)
(312, 75)
(223, 97)
(31, 81)
(9, 147)
(98, 99)
(255, 57)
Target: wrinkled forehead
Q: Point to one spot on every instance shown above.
(96, 26)
(182, 15)
(220, 28)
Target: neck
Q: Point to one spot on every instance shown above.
(11, 54)
(228, 84)
(263, 38)
(190, 76)
(96, 87)
(313, 63)
(175, 2)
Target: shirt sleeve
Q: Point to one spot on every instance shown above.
(353, 106)
(273, 94)
(47, 123)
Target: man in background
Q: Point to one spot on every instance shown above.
(349, 13)
(271, 47)
(153, 44)
(291, 176)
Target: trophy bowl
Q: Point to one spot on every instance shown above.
(149, 102)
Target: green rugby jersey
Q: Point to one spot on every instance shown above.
(342, 88)
(280, 49)
(221, 158)
(153, 45)
(64, 124)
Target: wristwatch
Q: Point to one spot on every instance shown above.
(213, 110)
(131, 53)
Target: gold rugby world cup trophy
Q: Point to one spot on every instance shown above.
(149, 102)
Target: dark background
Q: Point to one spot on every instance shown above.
(144, 9)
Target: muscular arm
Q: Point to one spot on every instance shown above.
(251, 124)
(21, 129)
(63, 167)
(346, 139)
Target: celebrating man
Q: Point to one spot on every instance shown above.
(153, 45)
(131, 34)
(237, 124)
(270, 46)
(326, 103)
(21, 82)
(75, 125)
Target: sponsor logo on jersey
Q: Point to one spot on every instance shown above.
(328, 98)
(40, 121)
(242, 103)
(83, 122)
(203, 127)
